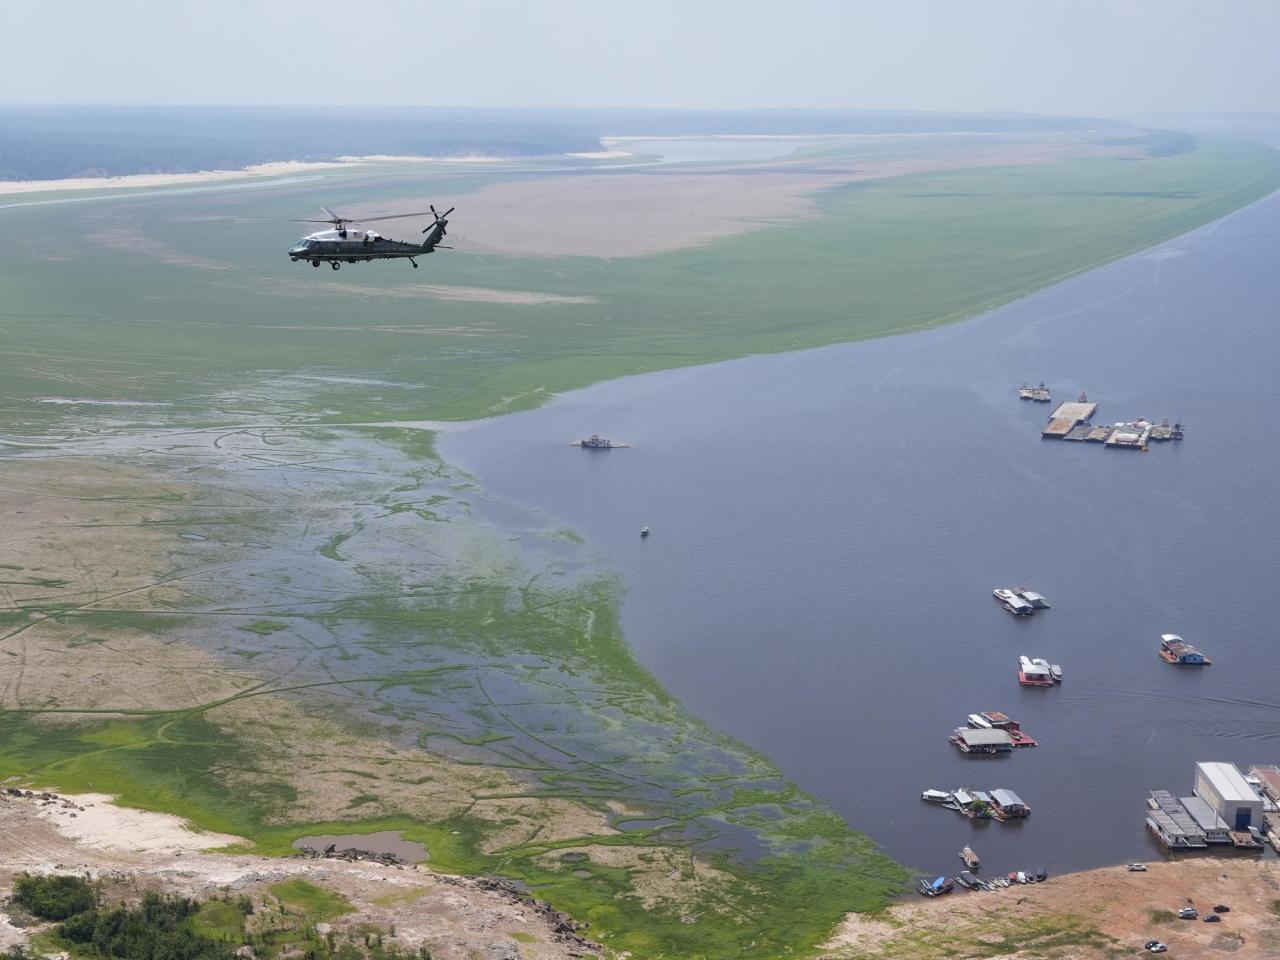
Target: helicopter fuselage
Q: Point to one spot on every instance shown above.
(351, 246)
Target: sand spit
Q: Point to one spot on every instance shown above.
(259, 170)
(1095, 914)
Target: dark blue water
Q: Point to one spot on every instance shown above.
(828, 526)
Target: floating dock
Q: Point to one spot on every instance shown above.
(1074, 421)
(1068, 416)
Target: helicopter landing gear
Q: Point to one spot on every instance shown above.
(335, 264)
(414, 262)
(293, 259)
(315, 263)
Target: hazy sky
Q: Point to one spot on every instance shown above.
(1056, 56)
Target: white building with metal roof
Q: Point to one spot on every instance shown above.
(1225, 789)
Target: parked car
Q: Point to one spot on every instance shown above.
(1138, 868)
(1212, 918)
(1221, 908)
(1155, 946)
(1188, 913)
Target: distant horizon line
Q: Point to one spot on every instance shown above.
(4, 105)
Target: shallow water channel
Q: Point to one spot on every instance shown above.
(828, 527)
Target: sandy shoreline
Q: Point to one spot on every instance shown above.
(259, 170)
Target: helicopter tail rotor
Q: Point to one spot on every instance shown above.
(435, 233)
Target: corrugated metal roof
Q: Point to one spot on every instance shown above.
(1229, 784)
(1006, 798)
(1202, 813)
(984, 737)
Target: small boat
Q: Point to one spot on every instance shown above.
(644, 531)
(1055, 671)
(935, 796)
(968, 880)
(597, 442)
(979, 722)
(970, 858)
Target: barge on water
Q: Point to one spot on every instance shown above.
(970, 858)
(1173, 649)
(1038, 394)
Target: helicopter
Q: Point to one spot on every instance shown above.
(340, 245)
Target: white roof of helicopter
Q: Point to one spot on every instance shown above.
(335, 235)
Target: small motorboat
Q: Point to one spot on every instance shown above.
(644, 531)
(970, 858)
(1055, 671)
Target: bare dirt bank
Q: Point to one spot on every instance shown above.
(1095, 914)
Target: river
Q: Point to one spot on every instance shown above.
(828, 526)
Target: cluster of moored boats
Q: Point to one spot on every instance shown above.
(990, 732)
(1020, 601)
(998, 804)
(969, 879)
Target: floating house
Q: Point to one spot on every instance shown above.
(999, 721)
(981, 740)
(1173, 649)
(1211, 825)
(1034, 672)
(1008, 805)
(1169, 820)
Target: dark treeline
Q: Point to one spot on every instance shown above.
(164, 928)
(50, 143)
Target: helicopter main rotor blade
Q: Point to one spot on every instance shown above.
(394, 216)
(333, 217)
(275, 220)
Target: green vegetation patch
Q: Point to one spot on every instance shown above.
(54, 897)
(316, 903)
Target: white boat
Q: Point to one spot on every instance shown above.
(644, 531)
(979, 722)
(935, 796)
(1055, 671)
